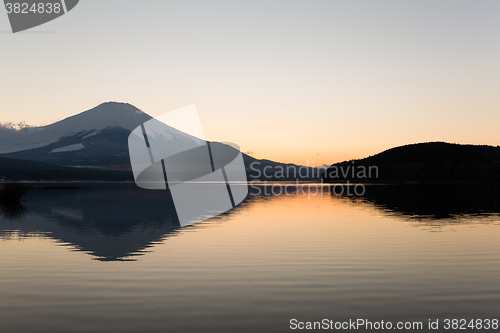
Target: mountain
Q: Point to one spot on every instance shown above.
(431, 161)
(91, 122)
(97, 138)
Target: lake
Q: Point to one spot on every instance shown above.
(113, 258)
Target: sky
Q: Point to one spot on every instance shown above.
(308, 82)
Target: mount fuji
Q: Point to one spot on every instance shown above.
(90, 145)
(97, 137)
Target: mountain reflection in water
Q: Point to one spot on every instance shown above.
(107, 221)
(117, 222)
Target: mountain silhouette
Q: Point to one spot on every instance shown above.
(431, 161)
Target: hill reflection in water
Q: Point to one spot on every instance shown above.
(434, 203)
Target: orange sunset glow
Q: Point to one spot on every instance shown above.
(323, 82)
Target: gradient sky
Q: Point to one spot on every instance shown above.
(292, 81)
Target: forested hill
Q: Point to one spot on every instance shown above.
(431, 161)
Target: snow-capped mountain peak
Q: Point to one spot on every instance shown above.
(88, 123)
(110, 114)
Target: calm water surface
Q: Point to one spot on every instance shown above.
(112, 258)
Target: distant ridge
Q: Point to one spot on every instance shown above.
(430, 161)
